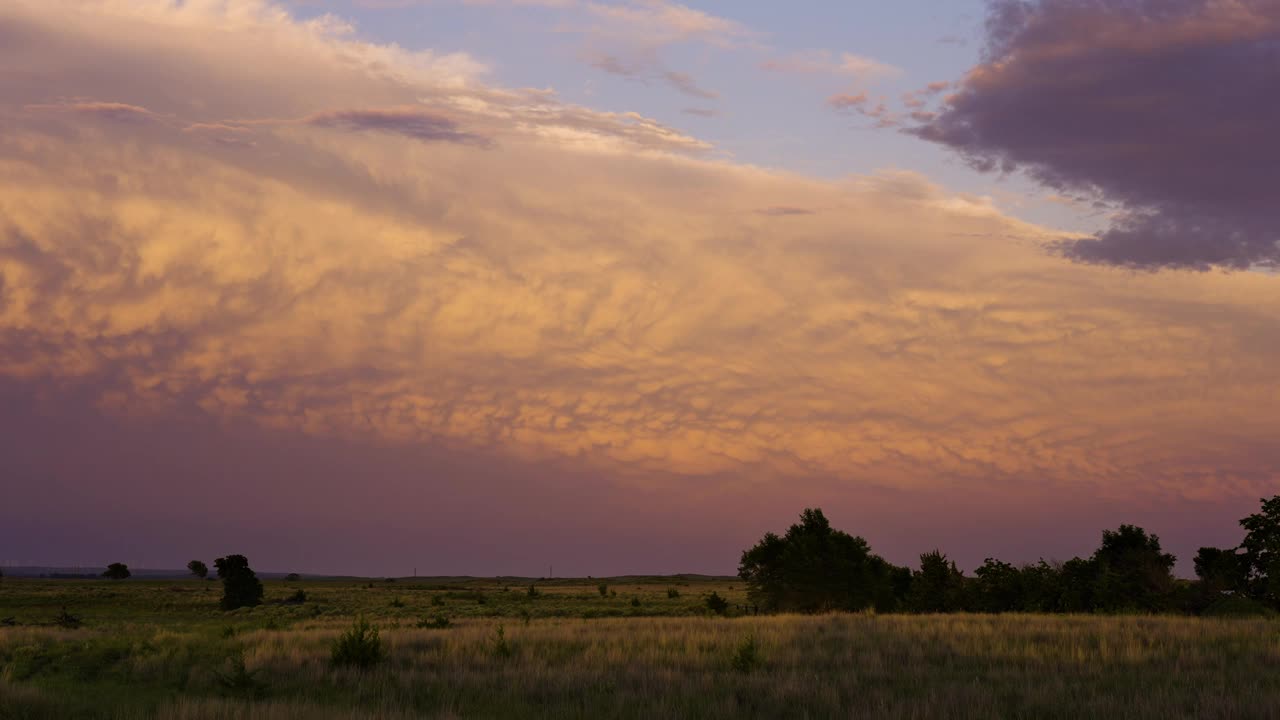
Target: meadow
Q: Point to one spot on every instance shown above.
(644, 648)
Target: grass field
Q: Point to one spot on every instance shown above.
(162, 649)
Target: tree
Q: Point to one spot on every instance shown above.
(1220, 571)
(1041, 587)
(240, 585)
(1262, 552)
(1076, 579)
(198, 568)
(937, 587)
(1132, 572)
(117, 571)
(814, 568)
(997, 587)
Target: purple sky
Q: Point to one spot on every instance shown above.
(482, 287)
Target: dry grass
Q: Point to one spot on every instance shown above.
(835, 666)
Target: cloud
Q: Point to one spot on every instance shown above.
(825, 62)
(1166, 109)
(660, 22)
(701, 112)
(410, 122)
(585, 290)
(113, 111)
(650, 69)
(687, 85)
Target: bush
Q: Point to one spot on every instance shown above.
(635, 602)
(117, 571)
(440, 623)
(437, 601)
(603, 589)
(1238, 606)
(292, 577)
(297, 598)
(359, 647)
(198, 569)
(65, 619)
(717, 604)
(239, 680)
(240, 585)
(747, 657)
(533, 591)
(672, 593)
(501, 648)
(397, 602)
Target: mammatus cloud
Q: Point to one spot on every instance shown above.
(1166, 109)
(319, 246)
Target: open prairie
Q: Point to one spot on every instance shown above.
(644, 648)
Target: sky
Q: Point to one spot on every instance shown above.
(616, 286)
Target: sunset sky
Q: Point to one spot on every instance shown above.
(483, 286)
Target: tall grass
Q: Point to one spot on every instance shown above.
(144, 664)
(818, 667)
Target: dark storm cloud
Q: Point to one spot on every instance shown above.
(1168, 109)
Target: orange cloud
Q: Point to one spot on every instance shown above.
(584, 286)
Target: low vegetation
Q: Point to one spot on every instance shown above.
(821, 628)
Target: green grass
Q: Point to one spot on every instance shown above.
(163, 650)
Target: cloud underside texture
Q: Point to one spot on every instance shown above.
(1166, 110)
(225, 214)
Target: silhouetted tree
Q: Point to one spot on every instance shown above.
(937, 587)
(1041, 587)
(813, 568)
(996, 588)
(1076, 578)
(1262, 552)
(117, 571)
(1132, 573)
(292, 577)
(1220, 570)
(240, 585)
(198, 568)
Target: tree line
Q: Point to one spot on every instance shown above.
(816, 568)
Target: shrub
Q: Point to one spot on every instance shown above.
(397, 602)
(747, 656)
(500, 647)
(117, 571)
(240, 585)
(239, 680)
(672, 593)
(1238, 606)
(603, 589)
(297, 598)
(359, 647)
(198, 569)
(65, 619)
(440, 623)
(437, 600)
(717, 604)
(533, 591)
(292, 577)
(635, 602)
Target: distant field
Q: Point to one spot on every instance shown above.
(162, 649)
